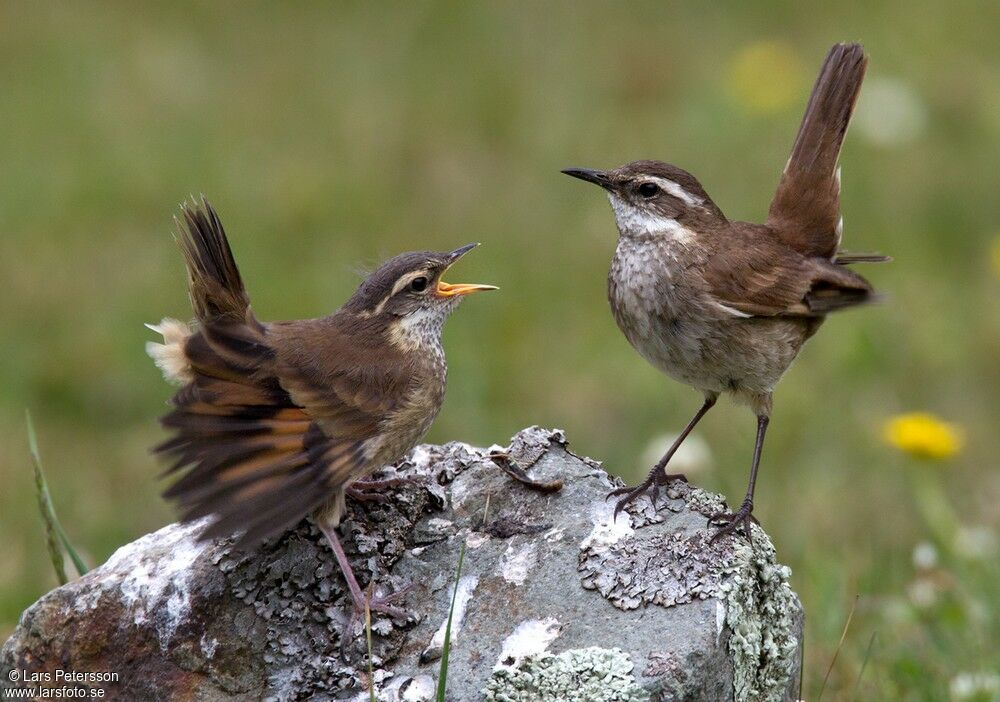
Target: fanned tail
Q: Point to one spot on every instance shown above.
(214, 281)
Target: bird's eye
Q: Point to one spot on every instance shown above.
(418, 284)
(649, 189)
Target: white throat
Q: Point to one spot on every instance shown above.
(421, 328)
(634, 220)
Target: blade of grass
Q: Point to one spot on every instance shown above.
(53, 528)
(371, 665)
(843, 635)
(45, 506)
(802, 666)
(443, 673)
(864, 664)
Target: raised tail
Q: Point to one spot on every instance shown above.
(214, 285)
(214, 282)
(805, 212)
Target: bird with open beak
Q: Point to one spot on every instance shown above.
(278, 420)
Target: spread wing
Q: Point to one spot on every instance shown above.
(764, 278)
(805, 212)
(261, 436)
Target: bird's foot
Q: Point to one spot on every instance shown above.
(731, 522)
(370, 490)
(652, 484)
(362, 601)
(382, 604)
(364, 605)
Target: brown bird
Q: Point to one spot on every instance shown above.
(277, 420)
(725, 306)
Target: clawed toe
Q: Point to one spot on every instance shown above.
(650, 485)
(364, 495)
(731, 522)
(384, 604)
(386, 483)
(369, 490)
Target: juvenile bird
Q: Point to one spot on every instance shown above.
(722, 305)
(277, 420)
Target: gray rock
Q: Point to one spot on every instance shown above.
(555, 601)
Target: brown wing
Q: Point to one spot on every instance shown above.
(262, 436)
(805, 212)
(760, 276)
(259, 443)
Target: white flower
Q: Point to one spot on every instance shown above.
(925, 556)
(967, 686)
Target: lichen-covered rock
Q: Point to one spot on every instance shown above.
(585, 674)
(556, 600)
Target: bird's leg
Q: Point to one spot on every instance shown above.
(375, 604)
(656, 476)
(729, 522)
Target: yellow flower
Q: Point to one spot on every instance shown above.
(923, 435)
(766, 77)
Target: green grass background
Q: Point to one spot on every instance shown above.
(331, 136)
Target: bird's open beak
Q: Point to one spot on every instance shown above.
(457, 289)
(589, 175)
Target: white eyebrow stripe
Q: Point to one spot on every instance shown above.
(677, 191)
(407, 279)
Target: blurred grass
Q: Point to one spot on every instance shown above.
(333, 136)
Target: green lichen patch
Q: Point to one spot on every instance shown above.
(670, 562)
(761, 613)
(579, 675)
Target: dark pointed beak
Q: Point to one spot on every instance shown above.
(456, 289)
(461, 251)
(590, 175)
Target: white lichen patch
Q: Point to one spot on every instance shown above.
(152, 576)
(720, 618)
(530, 638)
(555, 534)
(438, 524)
(463, 595)
(88, 600)
(475, 539)
(607, 530)
(425, 457)
(419, 688)
(208, 645)
(420, 457)
(582, 674)
(517, 562)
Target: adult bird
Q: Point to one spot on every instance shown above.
(723, 305)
